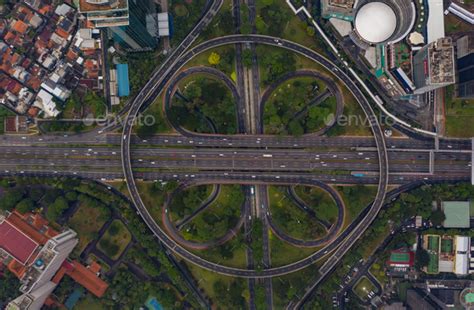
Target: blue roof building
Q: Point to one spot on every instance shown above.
(123, 80)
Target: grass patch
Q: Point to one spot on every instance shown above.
(4, 112)
(153, 120)
(459, 114)
(115, 240)
(355, 123)
(232, 253)
(219, 217)
(227, 59)
(363, 288)
(378, 272)
(453, 24)
(289, 287)
(356, 198)
(320, 201)
(206, 106)
(283, 253)
(153, 195)
(287, 110)
(291, 219)
(224, 292)
(86, 222)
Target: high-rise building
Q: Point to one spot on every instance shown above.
(36, 281)
(138, 35)
(105, 13)
(433, 66)
(34, 253)
(465, 66)
(132, 23)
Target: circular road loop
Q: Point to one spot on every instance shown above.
(333, 231)
(175, 234)
(331, 85)
(340, 245)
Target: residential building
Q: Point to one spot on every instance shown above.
(433, 66)
(40, 49)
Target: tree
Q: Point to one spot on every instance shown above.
(310, 31)
(10, 286)
(214, 59)
(437, 217)
(11, 198)
(192, 91)
(56, 209)
(26, 205)
(295, 128)
(247, 57)
(260, 24)
(422, 258)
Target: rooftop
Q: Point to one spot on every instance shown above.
(441, 61)
(15, 242)
(375, 22)
(457, 214)
(102, 5)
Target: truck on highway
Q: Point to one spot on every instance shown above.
(252, 191)
(358, 175)
(267, 155)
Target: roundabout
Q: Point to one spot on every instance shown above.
(339, 245)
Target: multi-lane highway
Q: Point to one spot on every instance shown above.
(246, 159)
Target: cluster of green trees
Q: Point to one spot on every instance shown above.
(141, 66)
(47, 191)
(146, 240)
(290, 286)
(189, 200)
(256, 243)
(54, 200)
(126, 291)
(222, 25)
(272, 19)
(90, 102)
(209, 98)
(64, 126)
(4, 112)
(150, 266)
(223, 59)
(221, 216)
(420, 201)
(232, 294)
(9, 288)
(293, 221)
(274, 62)
(185, 14)
(288, 110)
(415, 202)
(320, 201)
